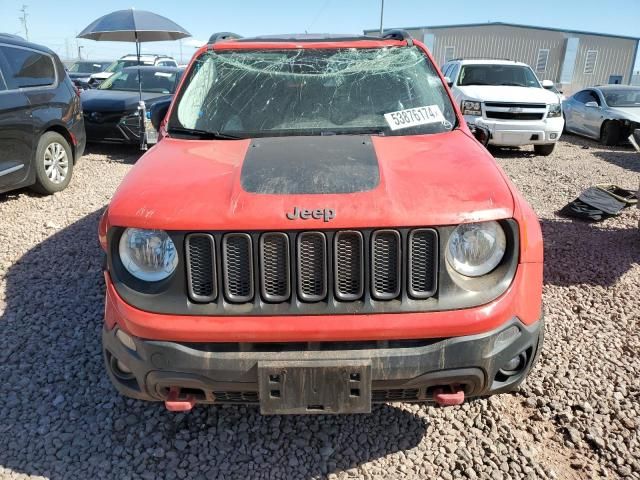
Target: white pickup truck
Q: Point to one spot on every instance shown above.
(507, 99)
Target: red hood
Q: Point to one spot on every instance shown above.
(439, 179)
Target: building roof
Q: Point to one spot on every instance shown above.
(517, 25)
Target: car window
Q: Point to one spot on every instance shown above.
(28, 68)
(314, 92)
(445, 70)
(497, 74)
(152, 81)
(454, 72)
(587, 96)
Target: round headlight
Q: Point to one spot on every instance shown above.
(149, 255)
(474, 249)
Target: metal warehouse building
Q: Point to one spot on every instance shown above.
(572, 59)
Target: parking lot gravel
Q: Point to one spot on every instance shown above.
(577, 416)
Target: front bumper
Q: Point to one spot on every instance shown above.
(400, 371)
(520, 132)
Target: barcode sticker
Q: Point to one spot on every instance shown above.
(412, 117)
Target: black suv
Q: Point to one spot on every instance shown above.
(41, 125)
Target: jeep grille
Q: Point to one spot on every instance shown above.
(310, 267)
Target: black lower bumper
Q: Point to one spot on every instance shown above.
(399, 370)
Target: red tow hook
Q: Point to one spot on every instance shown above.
(447, 399)
(174, 405)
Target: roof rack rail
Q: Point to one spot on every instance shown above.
(483, 57)
(398, 34)
(223, 36)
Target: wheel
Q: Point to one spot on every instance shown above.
(54, 164)
(544, 150)
(610, 135)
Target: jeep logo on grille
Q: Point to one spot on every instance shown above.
(320, 213)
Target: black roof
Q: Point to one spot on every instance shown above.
(395, 34)
(21, 42)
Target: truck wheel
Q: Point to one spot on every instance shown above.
(610, 135)
(544, 150)
(53, 163)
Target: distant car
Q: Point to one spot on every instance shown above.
(80, 72)
(506, 98)
(606, 113)
(152, 60)
(111, 111)
(41, 126)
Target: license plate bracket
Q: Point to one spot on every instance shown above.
(314, 387)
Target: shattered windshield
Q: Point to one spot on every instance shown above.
(253, 93)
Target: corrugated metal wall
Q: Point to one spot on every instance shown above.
(523, 44)
(615, 57)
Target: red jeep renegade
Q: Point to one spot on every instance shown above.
(317, 230)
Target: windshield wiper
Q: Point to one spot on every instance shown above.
(203, 134)
(511, 84)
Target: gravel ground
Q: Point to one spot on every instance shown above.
(577, 416)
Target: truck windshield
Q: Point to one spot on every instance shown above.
(254, 93)
(496, 74)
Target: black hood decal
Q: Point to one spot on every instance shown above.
(310, 164)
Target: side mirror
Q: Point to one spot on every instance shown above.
(482, 134)
(592, 105)
(158, 111)
(448, 81)
(547, 84)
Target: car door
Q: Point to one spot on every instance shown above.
(16, 126)
(574, 112)
(593, 115)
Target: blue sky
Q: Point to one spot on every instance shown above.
(56, 22)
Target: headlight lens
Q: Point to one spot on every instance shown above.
(555, 110)
(475, 249)
(149, 255)
(470, 107)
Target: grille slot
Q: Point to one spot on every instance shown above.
(385, 264)
(515, 105)
(423, 256)
(237, 259)
(312, 266)
(201, 267)
(349, 265)
(515, 116)
(275, 271)
(395, 395)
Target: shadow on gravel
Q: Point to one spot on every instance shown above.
(577, 252)
(60, 418)
(128, 154)
(512, 152)
(627, 159)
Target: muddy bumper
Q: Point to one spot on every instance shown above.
(322, 377)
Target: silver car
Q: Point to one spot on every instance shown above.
(607, 113)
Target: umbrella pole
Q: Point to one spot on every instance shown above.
(142, 111)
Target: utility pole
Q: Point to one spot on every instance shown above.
(381, 15)
(23, 19)
(80, 47)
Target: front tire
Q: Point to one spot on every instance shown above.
(611, 134)
(544, 150)
(53, 163)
